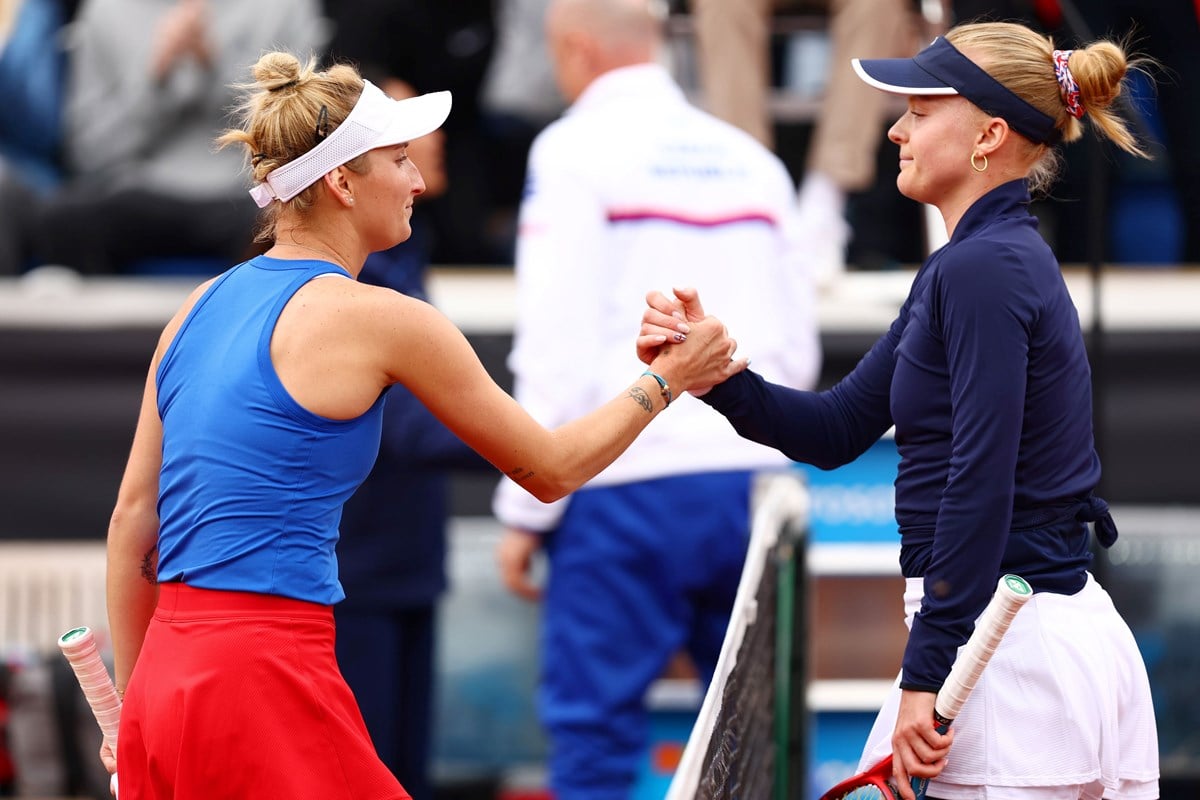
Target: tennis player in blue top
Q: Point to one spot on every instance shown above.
(985, 377)
(262, 414)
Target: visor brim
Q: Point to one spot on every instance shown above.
(899, 76)
(415, 117)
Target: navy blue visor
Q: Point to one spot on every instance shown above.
(940, 69)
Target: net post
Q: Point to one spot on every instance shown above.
(791, 661)
(740, 734)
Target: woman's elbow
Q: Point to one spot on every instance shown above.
(548, 484)
(548, 491)
(558, 471)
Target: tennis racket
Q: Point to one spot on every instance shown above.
(79, 646)
(876, 783)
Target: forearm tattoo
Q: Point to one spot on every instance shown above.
(641, 398)
(150, 565)
(520, 474)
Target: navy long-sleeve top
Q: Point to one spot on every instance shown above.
(985, 376)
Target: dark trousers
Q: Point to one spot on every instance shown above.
(387, 658)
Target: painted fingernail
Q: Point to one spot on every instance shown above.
(679, 337)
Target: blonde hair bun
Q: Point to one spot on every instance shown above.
(277, 70)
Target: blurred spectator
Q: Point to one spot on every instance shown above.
(733, 43)
(391, 554)
(733, 57)
(148, 90)
(445, 44)
(633, 189)
(31, 78)
(31, 83)
(518, 99)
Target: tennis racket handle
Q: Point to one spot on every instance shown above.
(79, 647)
(1011, 593)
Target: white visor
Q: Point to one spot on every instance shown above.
(375, 121)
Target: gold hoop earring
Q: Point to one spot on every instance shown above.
(975, 166)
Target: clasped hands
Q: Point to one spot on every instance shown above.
(183, 32)
(668, 323)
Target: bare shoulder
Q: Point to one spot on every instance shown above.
(392, 332)
(362, 307)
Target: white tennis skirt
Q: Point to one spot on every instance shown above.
(1063, 710)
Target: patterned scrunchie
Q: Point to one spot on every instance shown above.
(1066, 83)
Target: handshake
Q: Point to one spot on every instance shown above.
(668, 323)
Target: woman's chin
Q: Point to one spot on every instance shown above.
(909, 189)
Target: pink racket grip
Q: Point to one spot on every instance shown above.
(79, 647)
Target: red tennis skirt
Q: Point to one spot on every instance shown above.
(238, 695)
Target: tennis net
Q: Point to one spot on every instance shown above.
(748, 739)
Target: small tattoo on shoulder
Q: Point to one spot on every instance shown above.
(641, 398)
(150, 565)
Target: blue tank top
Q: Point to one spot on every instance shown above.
(252, 484)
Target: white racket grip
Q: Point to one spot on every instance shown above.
(1011, 593)
(79, 647)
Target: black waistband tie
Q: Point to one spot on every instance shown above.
(1096, 510)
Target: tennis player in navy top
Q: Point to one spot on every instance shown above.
(985, 377)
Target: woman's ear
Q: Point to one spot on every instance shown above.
(994, 133)
(338, 181)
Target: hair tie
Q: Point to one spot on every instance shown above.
(322, 125)
(1067, 86)
(288, 85)
(257, 158)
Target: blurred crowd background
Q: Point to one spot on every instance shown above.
(93, 144)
